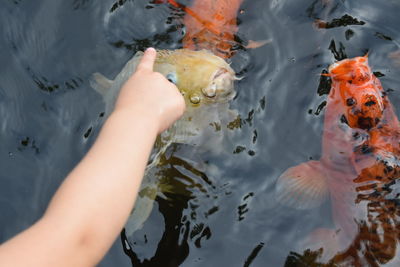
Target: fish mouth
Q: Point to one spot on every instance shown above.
(221, 87)
(365, 123)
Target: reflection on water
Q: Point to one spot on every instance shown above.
(191, 196)
(223, 211)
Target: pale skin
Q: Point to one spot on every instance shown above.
(93, 203)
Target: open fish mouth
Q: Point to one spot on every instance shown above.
(221, 87)
(366, 123)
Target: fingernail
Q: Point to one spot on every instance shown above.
(150, 49)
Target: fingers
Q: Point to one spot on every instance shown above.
(147, 61)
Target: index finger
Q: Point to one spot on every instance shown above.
(147, 61)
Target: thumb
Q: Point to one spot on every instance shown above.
(147, 61)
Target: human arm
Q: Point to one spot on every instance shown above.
(93, 203)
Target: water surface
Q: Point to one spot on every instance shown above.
(223, 211)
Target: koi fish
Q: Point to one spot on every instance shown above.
(212, 25)
(206, 82)
(199, 75)
(360, 162)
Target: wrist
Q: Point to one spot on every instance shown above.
(134, 121)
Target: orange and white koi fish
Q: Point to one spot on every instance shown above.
(212, 25)
(360, 162)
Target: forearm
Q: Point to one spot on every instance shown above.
(106, 181)
(92, 205)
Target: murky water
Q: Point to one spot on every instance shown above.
(224, 211)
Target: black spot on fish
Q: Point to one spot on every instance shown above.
(388, 169)
(364, 123)
(370, 103)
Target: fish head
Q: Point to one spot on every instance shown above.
(202, 77)
(360, 92)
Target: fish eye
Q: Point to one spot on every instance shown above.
(350, 101)
(172, 78)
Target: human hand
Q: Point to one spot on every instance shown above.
(148, 93)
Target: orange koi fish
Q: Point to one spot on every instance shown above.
(360, 162)
(211, 25)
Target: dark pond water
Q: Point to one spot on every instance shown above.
(224, 212)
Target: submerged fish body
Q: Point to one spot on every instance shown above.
(360, 162)
(206, 82)
(212, 25)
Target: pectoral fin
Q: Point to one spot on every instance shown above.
(100, 83)
(303, 186)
